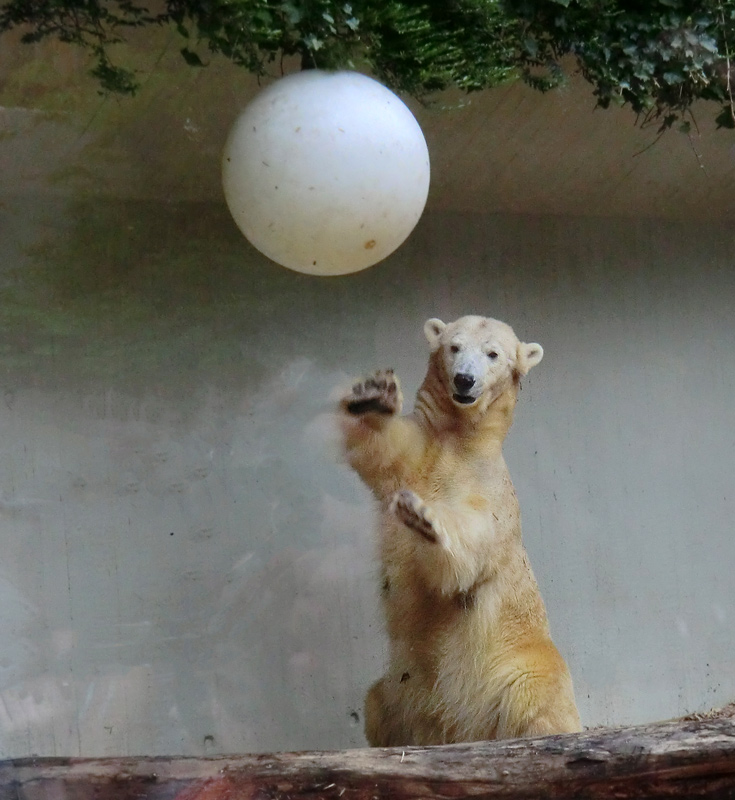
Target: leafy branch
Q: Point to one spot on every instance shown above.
(659, 57)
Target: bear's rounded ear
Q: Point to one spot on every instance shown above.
(433, 329)
(528, 356)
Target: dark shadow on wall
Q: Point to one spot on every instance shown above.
(135, 295)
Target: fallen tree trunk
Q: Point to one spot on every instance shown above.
(691, 757)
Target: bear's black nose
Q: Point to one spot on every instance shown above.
(463, 382)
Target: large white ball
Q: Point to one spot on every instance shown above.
(326, 172)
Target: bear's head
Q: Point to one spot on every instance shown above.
(478, 358)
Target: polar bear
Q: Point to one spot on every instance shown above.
(470, 655)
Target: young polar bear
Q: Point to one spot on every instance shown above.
(471, 657)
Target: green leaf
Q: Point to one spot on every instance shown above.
(293, 14)
(673, 77)
(313, 43)
(709, 44)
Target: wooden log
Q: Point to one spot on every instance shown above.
(692, 757)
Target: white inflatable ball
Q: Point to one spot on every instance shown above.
(326, 172)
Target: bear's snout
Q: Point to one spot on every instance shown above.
(463, 382)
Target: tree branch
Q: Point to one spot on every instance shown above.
(690, 757)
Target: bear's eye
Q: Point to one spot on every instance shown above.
(492, 355)
(454, 348)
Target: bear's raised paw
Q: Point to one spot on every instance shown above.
(378, 394)
(415, 514)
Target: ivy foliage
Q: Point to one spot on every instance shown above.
(658, 57)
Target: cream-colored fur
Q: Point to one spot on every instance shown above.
(470, 653)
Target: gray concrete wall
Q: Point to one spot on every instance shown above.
(185, 567)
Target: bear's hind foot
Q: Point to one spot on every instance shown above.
(379, 394)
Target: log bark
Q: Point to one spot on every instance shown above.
(691, 757)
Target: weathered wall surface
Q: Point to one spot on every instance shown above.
(185, 567)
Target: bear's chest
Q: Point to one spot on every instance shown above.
(455, 473)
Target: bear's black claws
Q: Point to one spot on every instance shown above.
(411, 514)
(369, 404)
(377, 394)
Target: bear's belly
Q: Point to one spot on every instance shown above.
(442, 676)
(448, 667)
(433, 633)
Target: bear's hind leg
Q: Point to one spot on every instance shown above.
(377, 724)
(384, 721)
(539, 697)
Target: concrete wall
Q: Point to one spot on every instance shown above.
(185, 567)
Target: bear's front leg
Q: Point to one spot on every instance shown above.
(381, 446)
(378, 394)
(416, 515)
(456, 554)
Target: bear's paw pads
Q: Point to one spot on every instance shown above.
(380, 394)
(414, 514)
